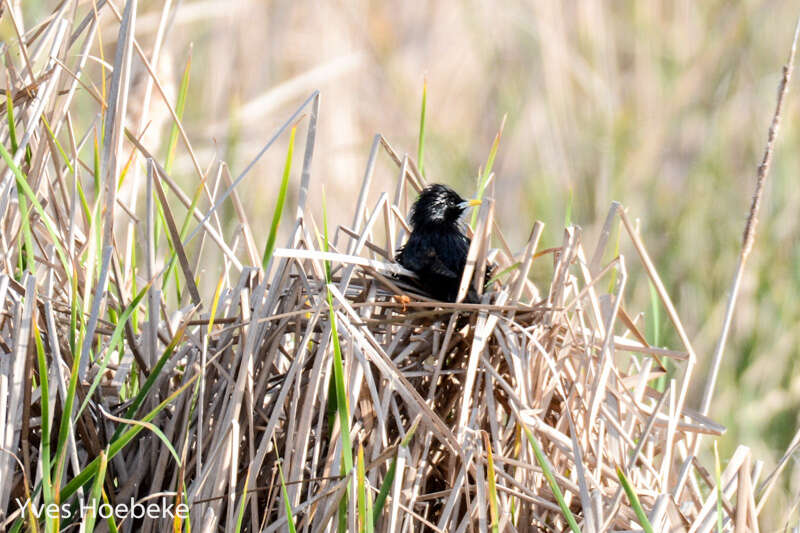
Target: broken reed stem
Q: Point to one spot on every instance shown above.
(748, 237)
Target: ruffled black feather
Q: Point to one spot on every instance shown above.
(436, 250)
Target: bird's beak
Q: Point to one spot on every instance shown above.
(470, 203)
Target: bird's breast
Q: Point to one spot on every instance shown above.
(451, 248)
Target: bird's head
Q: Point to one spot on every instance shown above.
(438, 205)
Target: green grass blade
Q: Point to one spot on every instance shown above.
(342, 410)
(342, 407)
(84, 202)
(145, 425)
(94, 498)
(214, 304)
(52, 523)
(27, 259)
(60, 148)
(124, 172)
(23, 206)
(243, 502)
(134, 284)
(96, 172)
(276, 214)
(17, 527)
(113, 318)
(370, 528)
(421, 142)
(116, 336)
(341, 393)
(179, 108)
(503, 272)
(487, 171)
(494, 504)
(386, 486)
(75, 340)
(653, 333)
(363, 518)
(112, 524)
(28, 193)
(551, 480)
(285, 493)
(114, 448)
(151, 379)
(634, 499)
(12, 129)
(341, 526)
(97, 226)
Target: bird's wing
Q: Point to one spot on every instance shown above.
(424, 259)
(437, 266)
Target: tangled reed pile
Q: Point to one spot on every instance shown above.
(322, 389)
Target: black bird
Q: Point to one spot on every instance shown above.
(437, 249)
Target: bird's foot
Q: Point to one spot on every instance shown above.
(402, 299)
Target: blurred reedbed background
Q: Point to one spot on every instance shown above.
(662, 106)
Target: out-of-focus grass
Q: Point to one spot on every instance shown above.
(663, 107)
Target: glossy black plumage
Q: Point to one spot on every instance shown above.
(437, 249)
